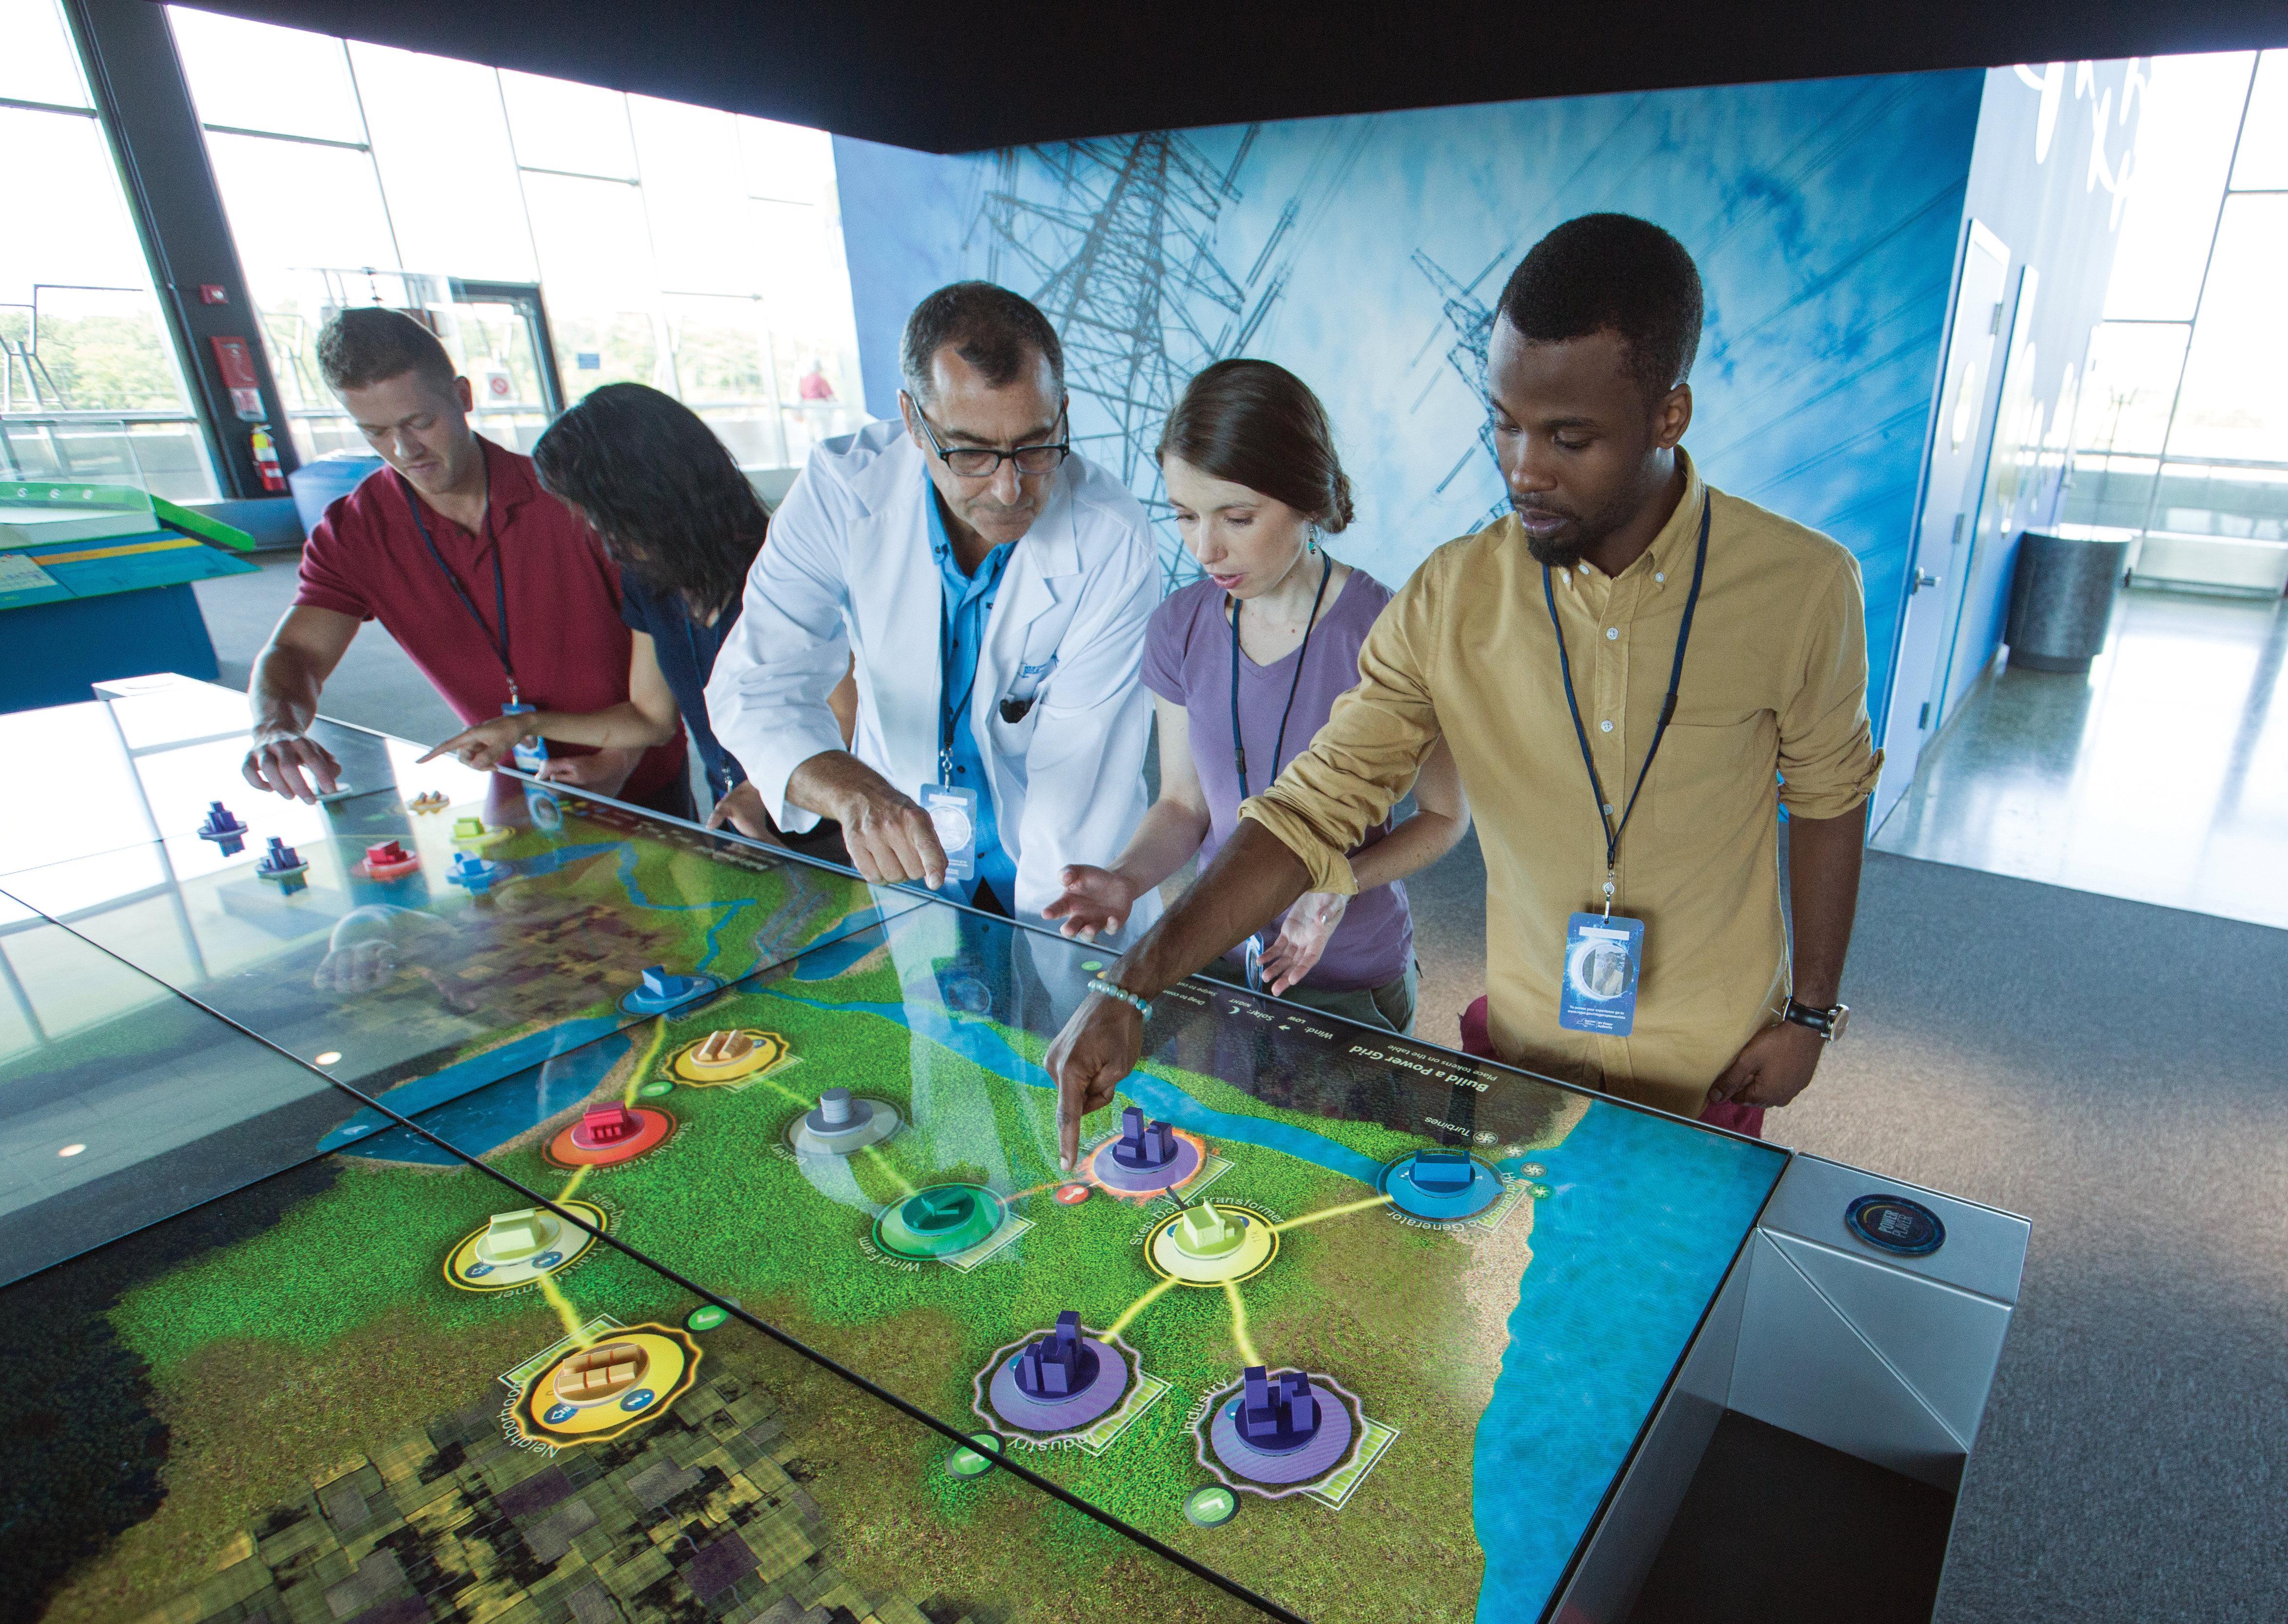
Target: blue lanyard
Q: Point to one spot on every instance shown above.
(1667, 706)
(1238, 744)
(498, 645)
(949, 716)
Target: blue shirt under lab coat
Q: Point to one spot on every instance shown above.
(968, 609)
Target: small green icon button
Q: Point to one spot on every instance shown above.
(706, 1316)
(1212, 1507)
(657, 1087)
(977, 1461)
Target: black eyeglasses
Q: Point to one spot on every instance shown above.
(979, 462)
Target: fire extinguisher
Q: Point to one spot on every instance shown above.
(265, 459)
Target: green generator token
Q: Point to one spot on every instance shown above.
(656, 1088)
(974, 1463)
(1212, 1507)
(1092, 965)
(706, 1316)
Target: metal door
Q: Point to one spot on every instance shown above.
(508, 351)
(1942, 535)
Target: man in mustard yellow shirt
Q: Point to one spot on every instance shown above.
(1634, 672)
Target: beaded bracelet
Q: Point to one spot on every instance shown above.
(1142, 1006)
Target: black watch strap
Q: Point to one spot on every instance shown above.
(1827, 1023)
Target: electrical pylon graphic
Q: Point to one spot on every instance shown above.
(1472, 320)
(1116, 241)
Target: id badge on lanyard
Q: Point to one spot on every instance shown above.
(953, 815)
(1604, 952)
(528, 755)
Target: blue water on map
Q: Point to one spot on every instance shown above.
(482, 1103)
(982, 1044)
(1643, 1217)
(488, 1099)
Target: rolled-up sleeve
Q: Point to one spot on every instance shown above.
(1367, 756)
(1828, 758)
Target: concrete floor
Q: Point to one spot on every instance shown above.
(2162, 775)
(374, 686)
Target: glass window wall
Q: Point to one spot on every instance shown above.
(2183, 432)
(680, 247)
(82, 339)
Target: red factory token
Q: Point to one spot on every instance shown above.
(1072, 1195)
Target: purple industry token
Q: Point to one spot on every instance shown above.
(1067, 1414)
(1144, 1181)
(1315, 1459)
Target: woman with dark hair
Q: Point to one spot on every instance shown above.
(1245, 667)
(677, 516)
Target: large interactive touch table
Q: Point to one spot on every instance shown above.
(501, 1203)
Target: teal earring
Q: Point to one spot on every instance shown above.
(1311, 543)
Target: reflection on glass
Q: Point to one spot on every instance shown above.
(120, 1103)
(1486, 1278)
(504, 927)
(614, 1447)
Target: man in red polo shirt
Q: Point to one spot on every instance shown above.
(496, 590)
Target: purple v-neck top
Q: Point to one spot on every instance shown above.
(1187, 663)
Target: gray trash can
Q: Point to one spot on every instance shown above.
(2061, 599)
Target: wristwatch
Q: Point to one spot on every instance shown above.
(1828, 1023)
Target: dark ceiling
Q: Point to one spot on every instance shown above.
(955, 76)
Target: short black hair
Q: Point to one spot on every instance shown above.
(362, 346)
(995, 330)
(1612, 273)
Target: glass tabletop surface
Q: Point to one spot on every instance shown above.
(1318, 1300)
(1461, 1290)
(575, 1439)
(393, 939)
(123, 1102)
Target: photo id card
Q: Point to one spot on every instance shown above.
(953, 814)
(1603, 956)
(527, 757)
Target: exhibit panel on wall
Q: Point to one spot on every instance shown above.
(1367, 254)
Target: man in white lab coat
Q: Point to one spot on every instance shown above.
(992, 586)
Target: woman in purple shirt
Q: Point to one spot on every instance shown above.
(1245, 667)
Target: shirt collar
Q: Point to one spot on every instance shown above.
(509, 481)
(1678, 540)
(988, 571)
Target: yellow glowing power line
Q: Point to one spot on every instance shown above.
(1139, 1306)
(643, 1066)
(1239, 1336)
(565, 1312)
(635, 1082)
(1331, 1212)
